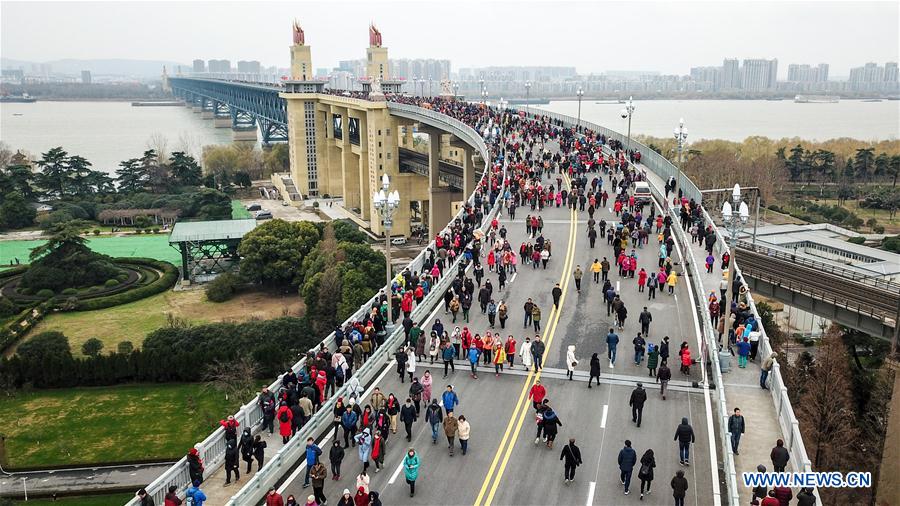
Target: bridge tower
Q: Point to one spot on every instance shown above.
(301, 56)
(377, 67)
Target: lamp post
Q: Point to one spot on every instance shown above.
(456, 89)
(481, 82)
(627, 111)
(484, 95)
(681, 134)
(580, 93)
(386, 203)
(735, 215)
(527, 88)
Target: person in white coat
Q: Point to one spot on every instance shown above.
(527, 359)
(411, 362)
(571, 361)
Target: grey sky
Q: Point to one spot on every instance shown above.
(592, 36)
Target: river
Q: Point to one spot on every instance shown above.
(108, 132)
(736, 120)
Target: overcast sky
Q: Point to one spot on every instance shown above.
(592, 36)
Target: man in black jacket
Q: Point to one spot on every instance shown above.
(780, 456)
(684, 434)
(408, 415)
(638, 397)
(571, 455)
(736, 428)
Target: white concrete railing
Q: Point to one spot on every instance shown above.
(787, 420)
(212, 449)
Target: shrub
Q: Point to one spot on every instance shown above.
(316, 204)
(26, 291)
(92, 347)
(96, 231)
(45, 293)
(7, 307)
(122, 277)
(878, 229)
(166, 281)
(125, 347)
(137, 231)
(223, 287)
(155, 230)
(891, 244)
(69, 291)
(111, 283)
(856, 240)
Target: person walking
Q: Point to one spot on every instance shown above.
(245, 447)
(448, 353)
(806, 497)
(434, 415)
(408, 415)
(645, 318)
(537, 352)
(637, 400)
(502, 314)
(652, 358)
(449, 399)
(451, 426)
(196, 497)
(571, 361)
(528, 308)
(509, 347)
(556, 292)
(364, 447)
(537, 394)
(766, 367)
(578, 274)
(780, 456)
(679, 487)
(571, 457)
(464, 430)
(379, 447)
(627, 459)
(336, 457)
(231, 461)
(595, 370)
(312, 456)
(736, 428)
(645, 472)
(684, 434)
(596, 269)
(536, 317)
(612, 340)
(318, 475)
(411, 465)
(639, 344)
(551, 425)
(527, 358)
(195, 466)
(474, 354)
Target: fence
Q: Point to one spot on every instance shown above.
(212, 449)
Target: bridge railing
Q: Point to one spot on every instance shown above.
(212, 449)
(787, 420)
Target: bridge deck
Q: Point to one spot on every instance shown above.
(741, 385)
(598, 418)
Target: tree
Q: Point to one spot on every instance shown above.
(894, 169)
(825, 411)
(235, 378)
(45, 344)
(65, 261)
(882, 165)
(185, 169)
(864, 162)
(277, 159)
(322, 295)
(55, 172)
(92, 347)
(79, 174)
(15, 212)
(242, 179)
(125, 347)
(273, 252)
(132, 177)
(211, 204)
(20, 178)
(796, 163)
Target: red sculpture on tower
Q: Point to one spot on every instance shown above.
(299, 38)
(374, 36)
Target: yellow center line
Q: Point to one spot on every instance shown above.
(523, 395)
(523, 409)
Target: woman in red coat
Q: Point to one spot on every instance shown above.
(686, 360)
(284, 417)
(321, 381)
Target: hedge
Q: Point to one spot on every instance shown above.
(13, 271)
(13, 330)
(163, 283)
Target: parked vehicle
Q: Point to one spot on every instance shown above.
(254, 207)
(398, 241)
(264, 214)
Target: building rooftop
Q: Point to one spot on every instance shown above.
(194, 231)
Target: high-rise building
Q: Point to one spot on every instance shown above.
(759, 74)
(248, 67)
(731, 74)
(219, 66)
(199, 66)
(86, 77)
(823, 72)
(890, 72)
(707, 78)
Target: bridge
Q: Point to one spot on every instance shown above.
(499, 467)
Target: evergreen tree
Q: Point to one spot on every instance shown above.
(15, 212)
(132, 177)
(185, 169)
(20, 178)
(55, 172)
(864, 163)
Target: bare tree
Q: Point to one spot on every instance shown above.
(159, 143)
(235, 379)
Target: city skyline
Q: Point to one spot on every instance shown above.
(767, 31)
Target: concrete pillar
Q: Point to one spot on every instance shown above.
(439, 210)
(365, 190)
(220, 122)
(469, 178)
(244, 134)
(434, 157)
(207, 115)
(349, 164)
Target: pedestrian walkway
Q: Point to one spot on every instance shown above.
(742, 389)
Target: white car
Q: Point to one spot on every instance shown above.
(398, 241)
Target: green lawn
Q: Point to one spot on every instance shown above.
(96, 500)
(238, 211)
(108, 424)
(147, 246)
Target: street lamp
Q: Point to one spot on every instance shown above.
(580, 93)
(735, 215)
(527, 88)
(627, 111)
(681, 134)
(481, 82)
(456, 89)
(484, 95)
(386, 203)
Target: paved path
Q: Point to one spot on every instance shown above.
(598, 418)
(741, 385)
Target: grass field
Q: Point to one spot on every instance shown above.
(96, 500)
(132, 322)
(238, 211)
(108, 424)
(891, 225)
(148, 246)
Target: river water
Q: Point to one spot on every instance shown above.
(108, 132)
(736, 120)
